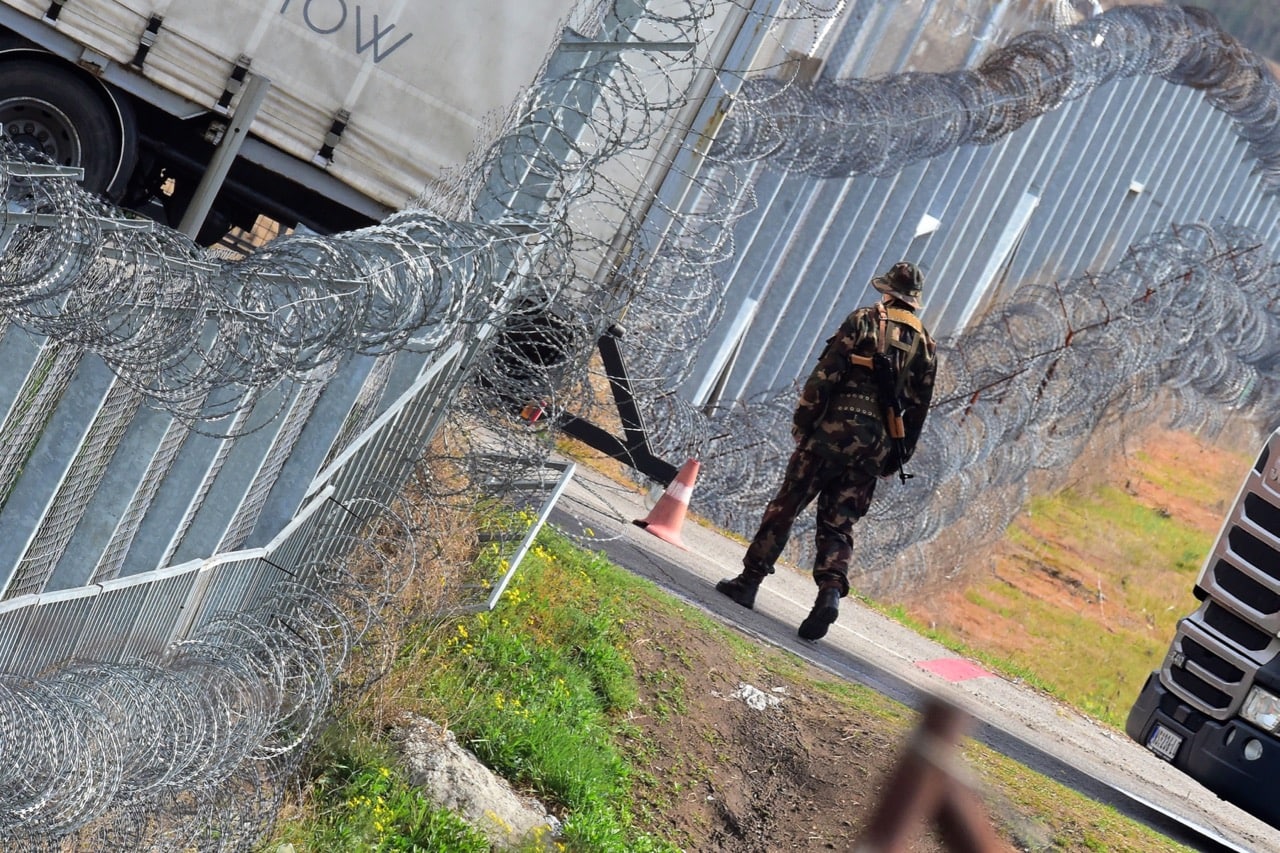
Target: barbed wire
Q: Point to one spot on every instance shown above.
(195, 335)
(194, 749)
(195, 332)
(1182, 332)
(898, 120)
(839, 128)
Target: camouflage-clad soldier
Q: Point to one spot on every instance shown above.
(843, 441)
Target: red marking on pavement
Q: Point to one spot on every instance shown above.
(953, 669)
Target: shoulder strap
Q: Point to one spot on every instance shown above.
(908, 351)
(884, 316)
(898, 315)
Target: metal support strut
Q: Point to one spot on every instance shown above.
(633, 449)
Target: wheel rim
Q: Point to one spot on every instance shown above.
(42, 127)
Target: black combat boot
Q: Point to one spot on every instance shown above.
(741, 589)
(824, 612)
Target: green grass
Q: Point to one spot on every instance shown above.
(1123, 571)
(530, 686)
(1009, 667)
(541, 688)
(1193, 481)
(363, 802)
(1098, 652)
(1047, 816)
(537, 689)
(1142, 534)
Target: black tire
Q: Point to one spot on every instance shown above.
(72, 120)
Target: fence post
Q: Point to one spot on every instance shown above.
(927, 786)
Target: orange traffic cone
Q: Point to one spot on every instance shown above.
(667, 515)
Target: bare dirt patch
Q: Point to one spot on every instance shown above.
(1083, 593)
(806, 771)
(1177, 475)
(741, 758)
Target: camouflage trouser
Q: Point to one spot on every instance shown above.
(843, 484)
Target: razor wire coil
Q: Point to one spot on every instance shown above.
(190, 749)
(839, 128)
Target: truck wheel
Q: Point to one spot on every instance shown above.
(71, 120)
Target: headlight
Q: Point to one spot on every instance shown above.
(1262, 709)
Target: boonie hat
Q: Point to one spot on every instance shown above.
(903, 281)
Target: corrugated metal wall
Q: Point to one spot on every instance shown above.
(125, 524)
(1063, 195)
(109, 488)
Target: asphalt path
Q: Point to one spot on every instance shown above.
(870, 649)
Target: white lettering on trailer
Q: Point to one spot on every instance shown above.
(332, 15)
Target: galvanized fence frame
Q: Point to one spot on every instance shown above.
(142, 614)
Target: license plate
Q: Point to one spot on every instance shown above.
(1164, 743)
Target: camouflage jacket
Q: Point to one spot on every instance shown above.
(838, 390)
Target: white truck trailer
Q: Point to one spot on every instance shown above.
(360, 105)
